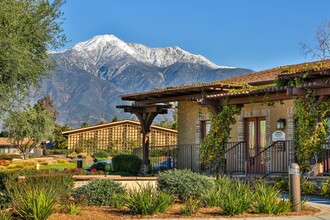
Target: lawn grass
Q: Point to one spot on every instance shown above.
(58, 166)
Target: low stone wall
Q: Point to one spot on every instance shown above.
(127, 181)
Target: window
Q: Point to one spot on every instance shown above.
(205, 127)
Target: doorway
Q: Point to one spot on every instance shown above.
(255, 139)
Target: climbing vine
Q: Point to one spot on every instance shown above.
(311, 115)
(214, 144)
(311, 127)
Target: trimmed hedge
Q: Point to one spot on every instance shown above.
(9, 156)
(101, 154)
(57, 151)
(126, 163)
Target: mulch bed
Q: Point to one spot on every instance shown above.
(105, 213)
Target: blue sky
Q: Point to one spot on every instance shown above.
(255, 34)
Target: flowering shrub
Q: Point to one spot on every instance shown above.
(73, 171)
(94, 171)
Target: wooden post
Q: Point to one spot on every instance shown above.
(146, 114)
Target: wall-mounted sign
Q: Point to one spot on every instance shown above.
(278, 136)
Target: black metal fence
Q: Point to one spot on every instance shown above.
(273, 160)
(161, 157)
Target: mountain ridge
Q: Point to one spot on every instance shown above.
(91, 75)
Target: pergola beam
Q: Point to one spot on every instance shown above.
(146, 114)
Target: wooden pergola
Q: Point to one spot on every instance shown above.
(146, 115)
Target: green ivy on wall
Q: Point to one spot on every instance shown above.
(311, 127)
(214, 144)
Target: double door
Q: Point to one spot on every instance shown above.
(255, 139)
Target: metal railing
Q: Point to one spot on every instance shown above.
(161, 157)
(274, 159)
(324, 158)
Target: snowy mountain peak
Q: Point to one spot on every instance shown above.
(110, 46)
(100, 41)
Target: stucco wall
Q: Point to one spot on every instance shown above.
(271, 113)
(189, 114)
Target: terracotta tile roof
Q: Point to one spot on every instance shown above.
(257, 78)
(270, 75)
(183, 90)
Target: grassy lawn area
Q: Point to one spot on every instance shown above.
(58, 166)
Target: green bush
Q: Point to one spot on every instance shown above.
(213, 197)
(101, 154)
(268, 200)
(126, 163)
(184, 183)
(57, 152)
(64, 181)
(100, 192)
(307, 187)
(236, 199)
(190, 207)
(9, 156)
(5, 215)
(325, 189)
(281, 183)
(147, 200)
(35, 197)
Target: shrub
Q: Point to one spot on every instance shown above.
(101, 154)
(236, 198)
(9, 156)
(307, 187)
(190, 207)
(5, 215)
(213, 197)
(184, 183)
(57, 152)
(74, 208)
(35, 197)
(100, 192)
(268, 200)
(281, 183)
(126, 163)
(325, 189)
(64, 182)
(147, 200)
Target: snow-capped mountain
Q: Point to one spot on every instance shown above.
(91, 75)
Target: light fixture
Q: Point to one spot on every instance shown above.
(281, 123)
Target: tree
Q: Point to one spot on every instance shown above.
(28, 128)
(322, 49)
(28, 29)
(84, 124)
(46, 103)
(114, 119)
(60, 141)
(167, 123)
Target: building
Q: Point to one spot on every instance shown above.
(262, 139)
(118, 136)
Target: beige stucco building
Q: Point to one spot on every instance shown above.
(121, 135)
